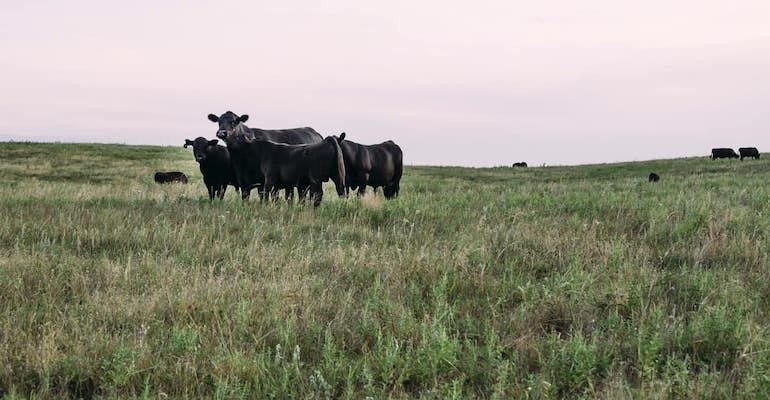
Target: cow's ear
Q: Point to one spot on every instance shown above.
(188, 142)
(213, 142)
(243, 118)
(342, 137)
(213, 118)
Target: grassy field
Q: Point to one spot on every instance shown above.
(557, 282)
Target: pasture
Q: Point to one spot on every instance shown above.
(502, 283)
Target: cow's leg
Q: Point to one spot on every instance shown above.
(317, 193)
(289, 195)
(362, 190)
(222, 190)
(390, 191)
(264, 190)
(211, 192)
(241, 184)
(340, 186)
(264, 193)
(395, 187)
(302, 191)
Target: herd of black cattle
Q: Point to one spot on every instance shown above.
(271, 160)
(726, 152)
(721, 152)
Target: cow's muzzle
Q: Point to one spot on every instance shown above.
(221, 134)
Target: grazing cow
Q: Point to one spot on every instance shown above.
(170, 177)
(285, 166)
(215, 165)
(238, 138)
(520, 164)
(373, 165)
(653, 177)
(749, 152)
(723, 153)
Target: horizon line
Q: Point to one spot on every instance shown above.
(538, 165)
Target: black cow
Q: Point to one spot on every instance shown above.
(215, 165)
(238, 138)
(723, 153)
(653, 177)
(520, 164)
(170, 177)
(749, 152)
(377, 165)
(285, 166)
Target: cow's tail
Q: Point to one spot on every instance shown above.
(339, 179)
(391, 190)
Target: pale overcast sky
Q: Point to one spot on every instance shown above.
(455, 83)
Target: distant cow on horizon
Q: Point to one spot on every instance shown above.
(653, 177)
(170, 177)
(723, 152)
(520, 164)
(749, 152)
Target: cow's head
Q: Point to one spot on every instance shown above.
(200, 146)
(230, 124)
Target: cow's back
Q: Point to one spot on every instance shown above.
(304, 135)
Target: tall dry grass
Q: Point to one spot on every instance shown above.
(488, 283)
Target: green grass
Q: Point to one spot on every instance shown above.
(557, 282)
